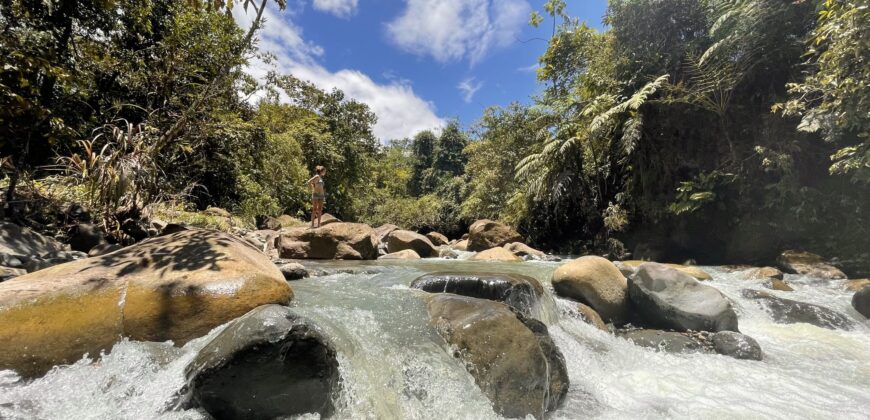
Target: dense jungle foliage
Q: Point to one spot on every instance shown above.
(719, 130)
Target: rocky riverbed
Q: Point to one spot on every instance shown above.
(453, 335)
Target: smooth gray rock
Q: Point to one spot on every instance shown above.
(269, 363)
(861, 301)
(669, 299)
(789, 311)
(736, 345)
(512, 358)
(519, 292)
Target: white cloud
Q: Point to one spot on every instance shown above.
(451, 30)
(529, 69)
(401, 113)
(340, 8)
(468, 87)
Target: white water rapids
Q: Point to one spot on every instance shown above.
(395, 366)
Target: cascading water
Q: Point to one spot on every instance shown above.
(394, 364)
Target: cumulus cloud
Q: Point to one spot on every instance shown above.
(401, 113)
(340, 8)
(469, 87)
(452, 30)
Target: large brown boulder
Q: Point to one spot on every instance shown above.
(485, 234)
(513, 361)
(808, 264)
(400, 240)
(175, 287)
(597, 282)
(335, 241)
(498, 254)
(437, 239)
(383, 231)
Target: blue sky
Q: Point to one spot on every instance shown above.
(417, 63)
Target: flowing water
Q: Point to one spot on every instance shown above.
(394, 365)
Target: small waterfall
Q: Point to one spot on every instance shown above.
(394, 365)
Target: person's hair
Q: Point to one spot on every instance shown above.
(319, 170)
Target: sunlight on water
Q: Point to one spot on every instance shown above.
(394, 365)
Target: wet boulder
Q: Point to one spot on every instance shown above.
(400, 240)
(808, 264)
(736, 345)
(518, 291)
(776, 284)
(335, 241)
(497, 254)
(485, 234)
(512, 359)
(861, 301)
(667, 298)
(437, 239)
(589, 316)
(405, 254)
(597, 282)
(270, 363)
(789, 311)
(175, 287)
(664, 341)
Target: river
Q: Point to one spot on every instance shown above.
(394, 365)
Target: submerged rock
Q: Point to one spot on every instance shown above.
(513, 360)
(789, 311)
(667, 298)
(400, 240)
(485, 234)
(175, 287)
(736, 345)
(405, 254)
(519, 292)
(335, 241)
(861, 301)
(808, 264)
(763, 273)
(665, 341)
(270, 363)
(780, 285)
(496, 254)
(597, 282)
(589, 316)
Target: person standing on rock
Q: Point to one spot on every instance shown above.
(318, 194)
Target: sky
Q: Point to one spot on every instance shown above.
(416, 63)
